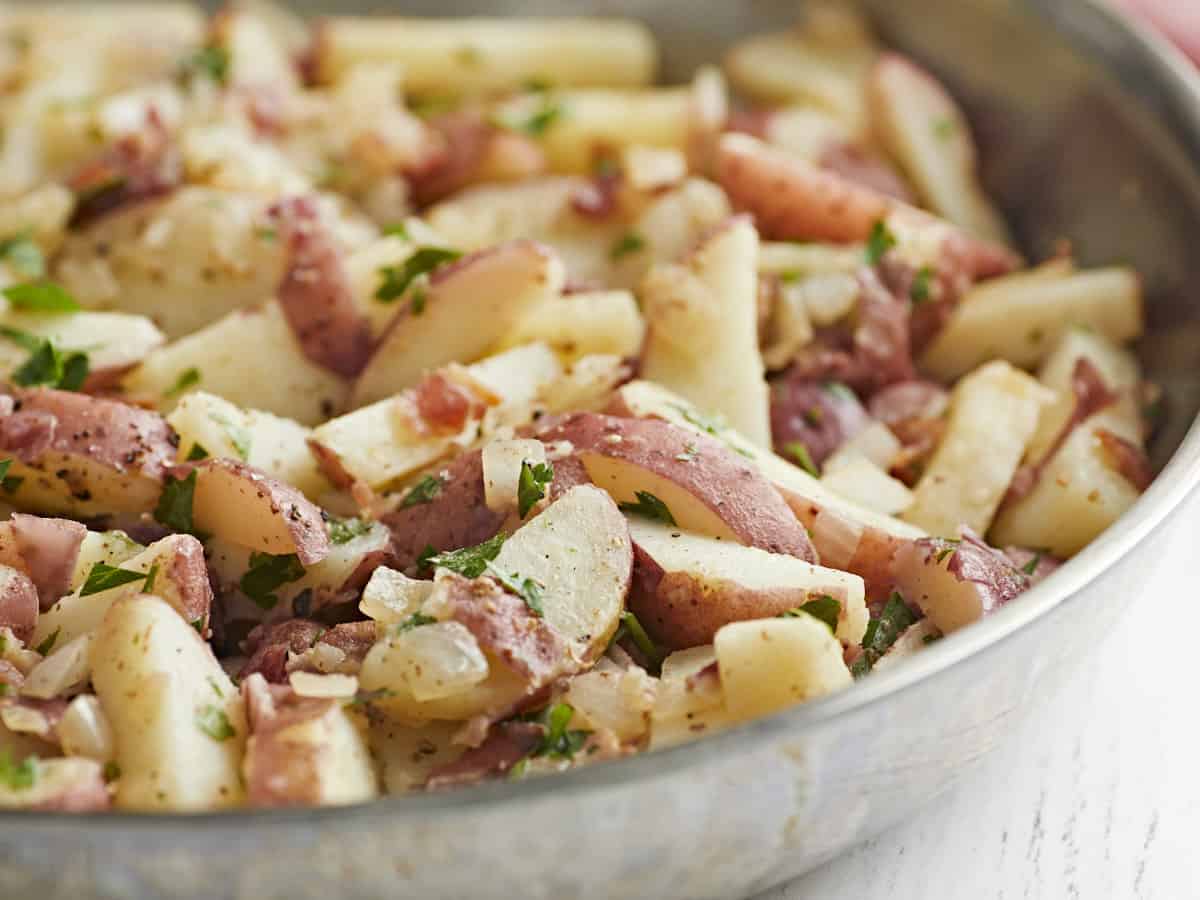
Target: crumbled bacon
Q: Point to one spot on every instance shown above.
(268, 647)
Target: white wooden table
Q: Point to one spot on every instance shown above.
(1095, 797)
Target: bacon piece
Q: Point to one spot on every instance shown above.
(862, 167)
(913, 410)
(137, 167)
(49, 548)
(316, 295)
(507, 744)
(820, 415)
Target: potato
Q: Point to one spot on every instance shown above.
(84, 456)
(244, 506)
(469, 307)
(922, 128)
(271, 444)
(483, 55)
(703, 485)
(687, 708)
(582, 324)
(702, 330)
(686, 586)
(49, 551)
(220, 259)
(18, 602)
(503, 461)
(59, 785)
(303, 752)
(1021, 317)
(113, 342)
(109, 547)
(180, 580)
(993, 414)
(675, 221)
(862, 481)
(771, 664)
(619, 701)
(408, 754)
(536, 209)
(178, 720)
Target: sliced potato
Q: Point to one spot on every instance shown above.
(70, 784)
(113, 342)
(179, 722)
(861, 480)
(585, 323)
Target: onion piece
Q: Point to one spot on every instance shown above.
(85, 730)
(64, 670)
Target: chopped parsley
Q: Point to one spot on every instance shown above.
(879, 242)
(629, 242)
(11, 483)
(649, 506)
(211, 719)
(922, 285)
(397, 229)
(21, 338)
(416, 620)
(343, 531)
(151, 577)
(539, 121)
(47, 645)
(104, 577)
(631, 628)
(839, 390)
(268, 573)
(239, 435)
(803, 458)
(23, 254)
(1034, 561)
(424, 491)
(470, 562)
(198, 452)
(945, 127)
(18, 776)
(174, 507)
(532, 484)
(882, 632)
(423, 261)
(111, 771)
(527, 589)
(188, 378)
(210, 62)
(709, 424)
(40, 296)
(49, 366)
(559, 742)
(825, 608)
(4, 467)
(419, 299)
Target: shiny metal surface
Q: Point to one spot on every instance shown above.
(1092, 132)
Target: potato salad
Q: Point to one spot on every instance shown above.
(392, 405)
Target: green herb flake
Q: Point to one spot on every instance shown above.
(532, 484)
(188, 378)
(104, 577)
(12, 483)
(630, 242)
(883, 631)
(922, 285)
(803, 458)
(649, 506)
(198, 452)
(210, 62)
(1030, 567)
(21, 338)
(40, 296)
(559, 742)
(174, 507)
(47, 645)
(825, 608)
(419, 299)
(268, 573)
(151, 577)
(518, 770)
(527, 589)
(879, 242)
(211, 719)
(424, 261)
(48, 366)
(631, 628)
(397, 229)
(212, 683)
(541, 120)
(111, 771)
(946, 547)
(18, 776)
(416, 620)
(424, 491)
(239, 435)
(470, 562)
(945, 127)
(5, 464)
(343, 531)
(710, 424)
(23, 255)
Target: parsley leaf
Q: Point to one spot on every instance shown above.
(239, 436)
(425, 260)
(211, 719)
(470, 562)
(709, 424)
(945, 127)
(18, 776)
(526, 588)
(882, 632)
(23, 254)
(1034, 561)
(4, 466)
(416, 620)
(343, 531)
(151, 577)
(104, 577)
(47, 365)
(922, 285)
(174, 507)
(803, 457)
(266, 574)
(21, 338)
(629, 242)
(532, 484)
(210, 62)
(946, 547)
(649, 506)
(879, 242)
(197, 453)
(559, 742)
(825, 608)
(424, 491)
(47, 645)
(631, 628)
(539, 121)
(40, 296)
(187, 378)
(397, 229)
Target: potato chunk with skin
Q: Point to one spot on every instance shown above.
(702, 329)
(179, 722)
(114, 342)
(686, 587)
(771, 664)
(68, 784)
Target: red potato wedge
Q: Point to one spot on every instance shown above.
(240, 504)
(49, 549)
(706, 487)
(923, 129)
(18, 603)
(686, 586)
(61, 784)
(469, 307)
(82, 455)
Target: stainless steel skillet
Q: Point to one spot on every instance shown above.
(1092, 131)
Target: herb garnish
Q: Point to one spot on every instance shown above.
(416, 620)
(527, 589)
(879, 242)
(23, 254)
(104, 577)
(803, 458)
(470, 562)
(197, 453)
(239, 436)
(40, 296)
(882, 632)
(174, 507)
(47, 645)
(47, 364)
(211, 719)
(539, 121)
(423, 261)
(343, 531)
(212, 62)
(629, 242)
(266, 574)
(532, 484)
(922, 285)
(825, 608)
(187, 378)
(18, 776)
(631, 628)
(649, 506)
(1030, 567)
(424, 491)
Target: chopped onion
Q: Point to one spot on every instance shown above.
(864, 482)
(310, 684)
(439, 660)
(876, 442)
(85, 731)
(652, 168)
(683, 664)
(391, 597)
(25, 720)
(62, 671)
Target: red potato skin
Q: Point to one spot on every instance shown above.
(49, 548)
(87, 794)
(189, 571)
(749, 504)
(278, 772)
(18, 603)
(316, 295)
(506, 744)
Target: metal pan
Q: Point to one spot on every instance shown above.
(1092, 131)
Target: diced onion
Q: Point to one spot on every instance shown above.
(683, 664)
(25, 720)
(439, 660)
(310, 684)
(85, 730)
(391, 597)
(876, 442)
(66, 668)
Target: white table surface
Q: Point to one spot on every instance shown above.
(1095, 797)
